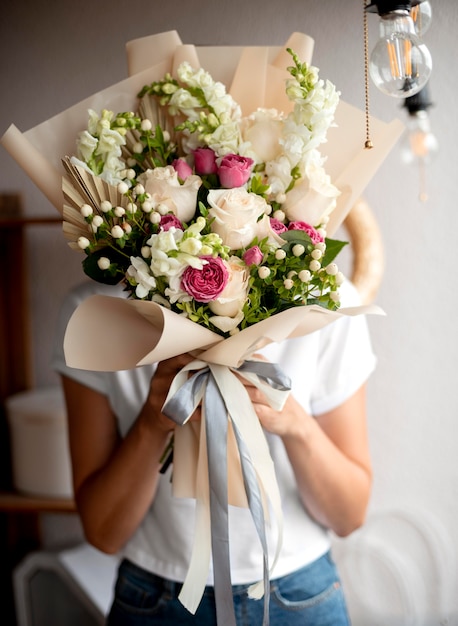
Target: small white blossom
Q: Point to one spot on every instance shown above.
(280, 254)
(288, 283)
(83, 243)
(316, 254)
(340, 279)
(321, 245)
(103, 263)
(315, 266)
(105, 206)
(332, 269)
(137, 148)
(97, 221)
(146, 252)
(335, 296)
(119, 211)
(154, 217)
(123, 187)
(86, 210)
(147, 206)
(131, 207)
(139, 189)
(305, 276)
(146, 125)
(117, 232)
(279, 215)
(127, 228)
(298, 249)
(263, 272)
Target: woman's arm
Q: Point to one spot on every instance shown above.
(329, 455)
(115, 479)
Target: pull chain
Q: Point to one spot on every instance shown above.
(368, 143)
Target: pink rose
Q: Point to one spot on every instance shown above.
(277, 226)
(182, 168)
(253, 256)
(310, 230)
(208, 283)
(205, 161)
(169, 220)
(234, 170)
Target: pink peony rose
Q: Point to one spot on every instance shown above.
(169, 220)
(253, 256)
(182, 168)
(208, 283)
(205, 161)
(277, 226)
(310, 230)
(234, 170)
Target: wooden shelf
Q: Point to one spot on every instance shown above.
(12, 502)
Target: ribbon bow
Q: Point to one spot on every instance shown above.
(226, 407)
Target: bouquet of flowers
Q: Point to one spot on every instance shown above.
(205, 211)
(217, 218)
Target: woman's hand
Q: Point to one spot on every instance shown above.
(160, 385)
(329, 455)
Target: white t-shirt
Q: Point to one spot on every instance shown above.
(325, 367)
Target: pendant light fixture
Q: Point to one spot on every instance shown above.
(419, 145)
(400, 64)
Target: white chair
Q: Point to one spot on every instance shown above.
(70, 587)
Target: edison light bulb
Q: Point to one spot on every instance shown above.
(400, 64)
(419, 146)
(421, 15)
(419, 143)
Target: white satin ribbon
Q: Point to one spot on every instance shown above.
(233, 415)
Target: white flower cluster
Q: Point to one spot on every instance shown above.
(220, 126)
(99, 147)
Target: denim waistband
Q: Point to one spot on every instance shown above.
(173, 588)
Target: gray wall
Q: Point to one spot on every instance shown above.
(53, 54)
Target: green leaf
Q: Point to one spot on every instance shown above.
(333, 247)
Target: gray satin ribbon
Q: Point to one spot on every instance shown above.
(179, 408)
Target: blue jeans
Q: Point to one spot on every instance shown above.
(312, 596)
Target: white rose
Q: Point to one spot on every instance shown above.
(228, 306)
(313, 198)
(262, 131)
(235, 213)
(164, 188)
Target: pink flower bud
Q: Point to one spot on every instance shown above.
(169, 220)
(182, 168)
(205, 161)
(253, 256)
(234, 170)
